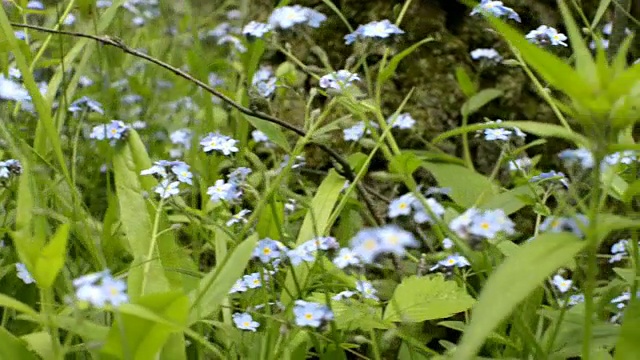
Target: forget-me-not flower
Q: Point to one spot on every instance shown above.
(489, 54)
(23, 274)
(563, 285)
(495, 8)
(256, 29)
(311, 314)
(346, 257)
(244, 321)
(402, 121)
(374, 30)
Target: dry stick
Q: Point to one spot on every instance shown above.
(117, 43)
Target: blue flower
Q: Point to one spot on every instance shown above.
(256, 29)
(556, 224)
(239, 217)
(520, 164)
(401, 205)
(10, 90)
(100, 289)
(239, 175)
(355, 132)
(625, 157)
(497, 134)
(10, 168)
(339, 81)
(450, 261)
(422, 216)
(258, 136)
(583, 157)
(482, 223)
(447, 243)
(367, 245)
(238, 287)
(264, 82)
(395, 240)
(343, 295)
(374, 30)
(86, 103)
(321, 243)
(181, 137)
(495, 8)
(252, 281)
(553, 175)
(346, 257)
(167, 188)
(563, 285)
(288, 16)
(311, 314)
(300, 254)
(544, 35)
(244, 321)
(182, 172)
(218, 142)
(366, 289)
(268, 250)
(402, 121)
(222, 190)
(23, 274)
(619, 250)
(35, 5)
(489, 54)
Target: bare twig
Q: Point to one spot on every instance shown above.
(345, 168)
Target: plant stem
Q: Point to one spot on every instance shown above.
(47, 300)
(152, 245)
(374, 345)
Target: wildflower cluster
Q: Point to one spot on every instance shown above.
(311, 314)
(370, 243)
(483, 224)
(171, 174)
(113, 131)
(408, 203)
(546, 35)
(218, 142)
(230, 190)
(264, 82)
(374, 30)
(495, 8)
(339, 81)
(100, 290)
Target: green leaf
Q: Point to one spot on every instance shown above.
(404, 163)
(513, 280)
(632, 191)
(215, 286)
(13, 348)
(628, 346)
(390, 69)
(146, 275)
(272, 131)
(11, 303)
(584, 62)
(479, 100)
(532, 127)
(141, 330)
(468, 87)
(418, 299)
(52, 257)
(467, 186)
(315, 223)
(355, 315)
(27, 244)
(509, 201)
(552, 69)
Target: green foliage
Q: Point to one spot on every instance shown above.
(417, 299)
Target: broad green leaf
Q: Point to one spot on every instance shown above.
(418, 299)
(477, 101)
(272, 131)
(13, 348)
(146, 274)
(52, 257)
(390, 69)
(468, 87)
(315, 224)
(405, 163)
(553, 70)
(513, 280)
(509, 201)
(532, 127)
(628, 346)
(38, 342)
(270, 219)
(350, 314)
(141, 330)
(467, 186)
(11, 303)
(215, 286)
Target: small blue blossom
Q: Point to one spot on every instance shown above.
(258, 136)
(583, 157)
(238, 287)
(113, 131)
(557, 224)
(321, 243)
(447, 243)
(268, 250)
(553, 175)
(181, 137)
(338, 81)
(23, 274)
(619, 251)
(311, 314)
(182, 173)
(238, 218)
(86, 103)
(244, 321)
(264, 82)
(236, 42)
(298, 162)
(35, 5)
(300, 254)
(482, 223)
(223, 191)
(252, 281)
(218, 142)
(288, 16)
(401, 205)
(544, 35)
(167, 188)
(497, 134)
(367, 245)
(374, 30)
(239, 175)
(343, 295)
(625, 157)
(402, 121)
(100, 289)
(346, 257)
(495, 8)
(450, 261)
(520, 164)
(366, 289)
(10, 90)
(355, 132)
(563, 285)
(256, 29)
(489, 54)
(9, 168)
(422, 216)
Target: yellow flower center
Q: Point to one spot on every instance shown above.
(370, 244)
(308, 316)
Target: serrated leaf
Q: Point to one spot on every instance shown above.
(418, 299)
(13, 348)
(519, 275)
(477, 101)
(51, 258)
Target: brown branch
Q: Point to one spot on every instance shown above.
(117, 43)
